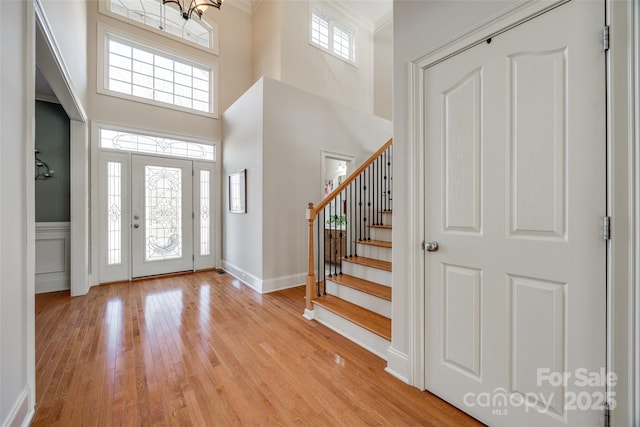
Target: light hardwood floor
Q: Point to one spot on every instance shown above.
(203, 349)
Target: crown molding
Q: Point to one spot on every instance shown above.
(385, 20)
(246, 6)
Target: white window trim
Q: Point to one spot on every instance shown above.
(96, 126)
(213, 35)
(332, 22)
(105, 31)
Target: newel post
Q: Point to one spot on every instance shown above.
(311, 278)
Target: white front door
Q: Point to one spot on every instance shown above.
(161, 215)
(514, 196)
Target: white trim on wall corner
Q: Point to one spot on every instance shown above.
(20, 414)
(398, 364)
(63, 76)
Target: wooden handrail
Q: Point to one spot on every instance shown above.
(350, 179)
(312, 213)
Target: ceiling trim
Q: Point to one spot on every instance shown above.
(247, 6)
(385, 20)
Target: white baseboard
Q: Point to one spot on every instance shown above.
(264, 286)
(20, 414)
(52, 285)
(309, 314)
(398, 365)
(283, 282)
(247, 278)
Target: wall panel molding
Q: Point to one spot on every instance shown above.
(53, 256)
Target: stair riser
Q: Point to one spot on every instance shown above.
(370, 341)
(387, 219)
(370, 302)
(375, 252)
(368, 273)
(383, 234)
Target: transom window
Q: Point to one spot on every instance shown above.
(139, 143)
(332, 37)
(152, 15)
(141, 72)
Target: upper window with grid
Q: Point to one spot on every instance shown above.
(154, 16)
(333, 37)
(140, 72)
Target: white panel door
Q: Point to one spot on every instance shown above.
(161, 215)
(514, 195)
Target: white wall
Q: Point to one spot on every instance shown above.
(278, 132)
(418, 28)
(242, 233)
(383, 72)
(68, 21)
(305, 66)
(267, 40)
(17, 71)
(298, 126)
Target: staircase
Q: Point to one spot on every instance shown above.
(349, 282)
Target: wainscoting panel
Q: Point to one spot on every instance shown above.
(53, 256)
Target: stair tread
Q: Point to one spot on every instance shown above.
(362, 317)
(380, 243)
(386, 212)
(383, 226)
(362, 285)
(369, 262)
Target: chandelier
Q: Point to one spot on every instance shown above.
(197, 6)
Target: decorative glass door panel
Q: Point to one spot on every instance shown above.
(162, 218)
(163, 203)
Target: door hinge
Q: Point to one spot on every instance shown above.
(605, 38)
(606, 228)
(607, 415)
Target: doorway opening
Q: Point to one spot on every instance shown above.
(335, 168)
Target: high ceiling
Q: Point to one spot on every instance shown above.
(371, 10)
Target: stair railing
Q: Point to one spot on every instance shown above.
(345, 217)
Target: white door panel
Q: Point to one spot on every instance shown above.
(162, 215)
(514, 194)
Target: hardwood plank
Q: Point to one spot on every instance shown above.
(383, 226)
(366, 286)
(362, 317)
(204, 349)
(369, 262)
(380, 243)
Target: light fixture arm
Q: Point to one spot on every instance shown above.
(197, 6)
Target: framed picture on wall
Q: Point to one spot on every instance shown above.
(238, 192)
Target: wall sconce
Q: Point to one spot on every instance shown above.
(42, 169)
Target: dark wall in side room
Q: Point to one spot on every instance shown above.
(52, 139)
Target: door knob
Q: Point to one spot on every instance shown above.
(430, 246)
(135, 226)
